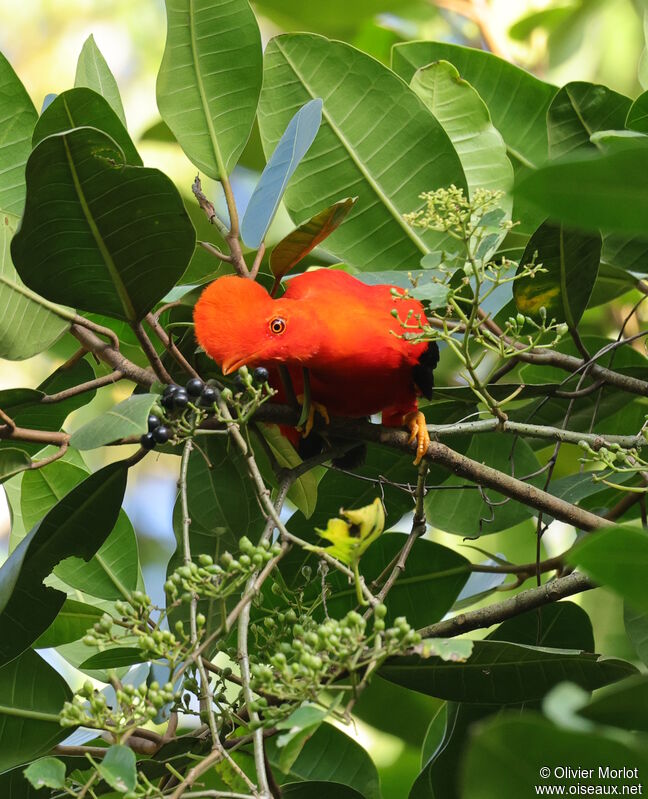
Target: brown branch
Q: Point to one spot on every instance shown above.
(36, 436)
(151, 353)
(168, 342)
(90, 385)
(113, 357)
(498, 612)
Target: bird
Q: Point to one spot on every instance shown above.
(350, 336)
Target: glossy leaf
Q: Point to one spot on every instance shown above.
(128, 418)
(43, 488)
(47, 772)
(299, 242)
(504, 673)
(593, 191)
(94, 73)
(73, 621)
(17, 119)
(27, 327)
(580, 109)
(32, 694)
(79, 108)
(617, 558)
(118, 768)
(466, 120)
(118, 236)
(77, 525)
(517, 100)
(286, 157)
(507, 755)
(12, 462)
(387, 164)
(571, 261)
(209, 80)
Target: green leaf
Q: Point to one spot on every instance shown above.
(72, 622)
(454, 650)
(561, 625)
(609, 141)
(593, 191)
(12, 462)
(502, 673)
(547, 19)
(17, 119)
(517, 100)
(466, 120)
(94, 73)
(286, 157)
(626, 252)
(331, 756)
(637, 118)
(318, 789)
(621, 705)
(112, 572)
(571, 260)
(116, 239)
(47, 772)
(299, 726)
(27, 326)
(636, 627)
(464, 512)
(77, 525)
(507, 754)
(32, 694)
(128, 418)
(79, 108)
(114, 658)
(299, 242)
(43, 488)
(118, 768)
(618, 558)
(580, 109)
(14, 785)
(209, 80)
(377, 140)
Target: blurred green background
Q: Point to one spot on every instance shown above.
(595, 40)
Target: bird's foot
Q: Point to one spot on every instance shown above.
(313, 406)
(416, 424)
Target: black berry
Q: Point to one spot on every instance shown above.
(153, 422)
(239, 383)
(208, 397)
(260, 374)
(170, 389)
(167, 401)
(147, 441)
(194, 387)
(180, 398)
(161, 434)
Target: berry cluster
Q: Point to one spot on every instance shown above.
(175, 399)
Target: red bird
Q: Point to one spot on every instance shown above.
(342, 330)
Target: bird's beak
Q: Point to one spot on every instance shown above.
(232, 364)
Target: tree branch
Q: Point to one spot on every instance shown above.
(113, 357)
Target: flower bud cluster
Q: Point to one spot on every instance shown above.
(614, 457)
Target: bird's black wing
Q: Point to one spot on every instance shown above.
(423, 372)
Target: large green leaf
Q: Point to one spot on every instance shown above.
(503, 673)
(117, 237)
(27, 327)
(128, 418)
(376, 141)
(17, 119)
(561, 625)
(517, 100)
(77, 525)
(94, 73)
(72, 623)
(508, 756)
(79, 108)
(618, 558)
(621, 705)
(31, 696)
(626, 252)
(43, 488)
(466, 120)
(12, 462)
(14, 785)
(580, 109)
(637, 118)
(209, 80)
(335, 16)
(593, 191)
(570, 260)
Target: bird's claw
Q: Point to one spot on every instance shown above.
(417, 425)
(314, 406)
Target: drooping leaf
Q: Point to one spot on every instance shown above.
(77, 525)
(571, 261)
(116, 240)
(72, 622)
(504, 673)
(128, 418)
(81, 108)
(46, 772)
(94, 73)
(17, 119)
(291, 148)
(118, 768)
(299, 242)
(32, 694)
(388, 162)
(618, 558)
(12, 462)
(580, 109)
(209, 80)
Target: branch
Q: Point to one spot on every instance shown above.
(168, 342)
(552, 591)
(113, 357)
(89, 385)
(150, 351)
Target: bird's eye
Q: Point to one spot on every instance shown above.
(277, 325)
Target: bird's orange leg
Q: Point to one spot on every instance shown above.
(415, 422)
(314, 406)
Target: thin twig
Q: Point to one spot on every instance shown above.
(168, 342)
(151, 354)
